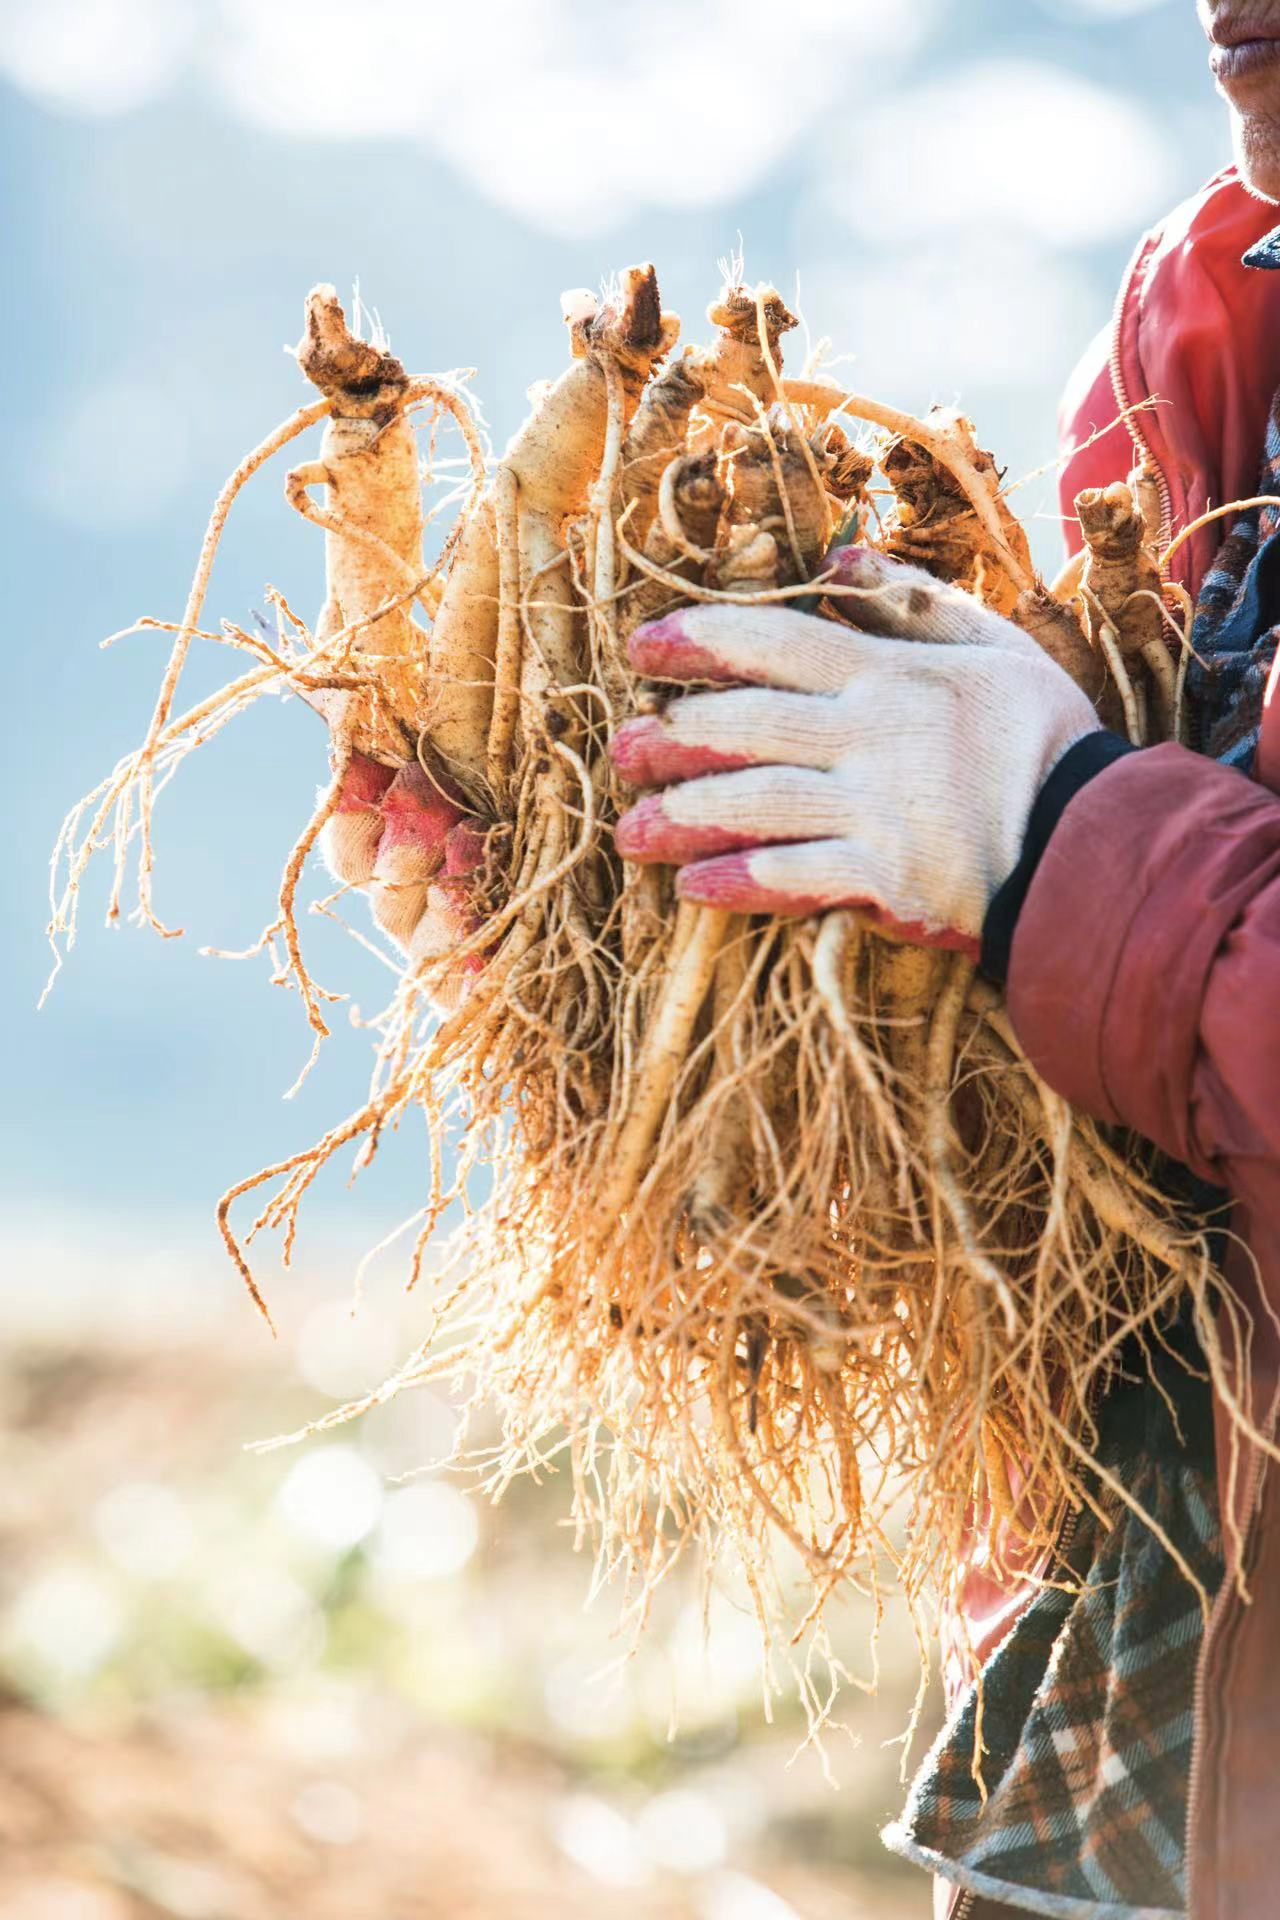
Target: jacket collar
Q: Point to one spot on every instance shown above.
(1202, 332)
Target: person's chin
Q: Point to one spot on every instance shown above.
(1257, 148)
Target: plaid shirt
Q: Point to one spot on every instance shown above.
(1233, 635)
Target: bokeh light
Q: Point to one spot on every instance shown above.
(427, 1532)
(331, 1496)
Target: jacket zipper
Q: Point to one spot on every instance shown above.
(1222, 1600)
(1142, 445)
(1196, 1765)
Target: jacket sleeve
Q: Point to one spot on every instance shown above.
(1144, 978)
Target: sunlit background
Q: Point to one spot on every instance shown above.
(297, 1681)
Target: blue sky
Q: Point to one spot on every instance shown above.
(957, 183)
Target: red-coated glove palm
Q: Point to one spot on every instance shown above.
(397, 834)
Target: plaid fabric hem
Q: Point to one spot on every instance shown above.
(1087, 1703)
(1234, 633)
(987, 1887)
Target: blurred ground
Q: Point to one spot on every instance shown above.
(244, 1687)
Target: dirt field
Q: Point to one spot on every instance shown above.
(245, 1687)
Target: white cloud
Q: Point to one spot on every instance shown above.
(97, 57)
(1013, 144)
(931, 322)
(568, 113)
(1101, 11)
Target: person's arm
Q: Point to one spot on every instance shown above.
(1144, 966)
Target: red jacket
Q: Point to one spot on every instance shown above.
(1145, 973)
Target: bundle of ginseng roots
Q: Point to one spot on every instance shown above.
(780, 1238)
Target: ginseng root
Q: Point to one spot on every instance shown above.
(1123, 595)
(1121, 577)
(936, 525)
(774, 1232)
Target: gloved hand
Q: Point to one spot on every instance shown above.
(396, 833)
(891, 769)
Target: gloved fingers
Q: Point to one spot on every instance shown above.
(761, 646)
(731, 810)
(428, 917)
(397, 904)
(901, 602)
(419, 830)
(719, 732)
(389, 815)
(801, 878)
(417, 820)
(416, 808)
(813, 876)
(349, 845)
(447, 919)
(364, 784)
(349, 841)
(398, 833)
(425, 840)
(407, 859)
(464, 849)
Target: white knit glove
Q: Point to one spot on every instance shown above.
(891, 769)
(396, 834)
